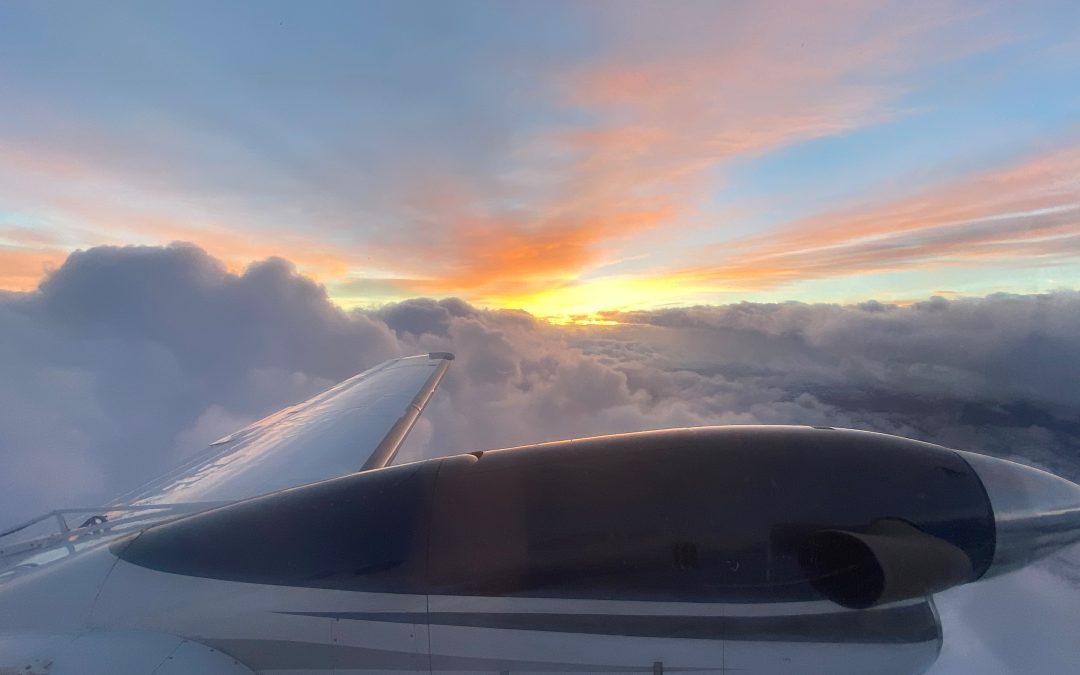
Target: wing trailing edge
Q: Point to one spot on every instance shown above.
(384, 453)
(357, 425)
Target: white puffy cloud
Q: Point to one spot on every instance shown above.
(127, 359)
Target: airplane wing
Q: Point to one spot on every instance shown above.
(356, 425)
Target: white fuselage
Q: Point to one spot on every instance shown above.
(285, 630)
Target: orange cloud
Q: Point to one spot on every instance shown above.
(234, 246)
(513, 255)
(96, 199)
(110, 208)
(660, 120)
(655, 117)
(1026, 214)
(21, 269)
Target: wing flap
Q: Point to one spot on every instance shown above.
(387, 449)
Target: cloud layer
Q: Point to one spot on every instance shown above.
(126, 359)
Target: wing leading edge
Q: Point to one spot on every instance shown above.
(356, 425)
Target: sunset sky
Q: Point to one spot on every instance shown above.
(210, 210)
(565, 158)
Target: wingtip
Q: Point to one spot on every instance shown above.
(441, 355)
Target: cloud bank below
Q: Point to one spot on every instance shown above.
(125, 360)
